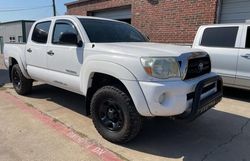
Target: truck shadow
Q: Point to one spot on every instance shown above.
(72, 101)
(167, 138)
(192, 141)
(237, 94)
(4, 77)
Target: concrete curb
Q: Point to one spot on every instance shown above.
(88, 145)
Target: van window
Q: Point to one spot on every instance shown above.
(41, 32)
(219, 37)
(248, 38)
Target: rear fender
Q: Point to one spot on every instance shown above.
(16, 52)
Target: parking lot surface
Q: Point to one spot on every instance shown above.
(223, 133)
(25, 138)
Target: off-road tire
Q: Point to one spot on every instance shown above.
(25, 85)
(132, 119)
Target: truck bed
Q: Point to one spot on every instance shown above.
(14, 48)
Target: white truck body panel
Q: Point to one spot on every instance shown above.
(232, 63)
(72, 68)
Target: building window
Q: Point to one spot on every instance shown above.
(219, 37)
(12, 39)
(20, 39)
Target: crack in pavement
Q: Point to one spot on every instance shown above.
(227, 142)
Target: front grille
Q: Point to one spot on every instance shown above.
(204, 90)
(198, 67)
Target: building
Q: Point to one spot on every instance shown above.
(14, 31)
(174, 21)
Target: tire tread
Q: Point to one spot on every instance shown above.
(135, 117)
(26, 85)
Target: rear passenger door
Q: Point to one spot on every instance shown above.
(243, 69)
(36, 51)
(220, 43)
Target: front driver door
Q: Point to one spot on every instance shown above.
(65, 60)
(243, 69)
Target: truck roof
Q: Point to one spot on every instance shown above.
(74, 17)
(227, 24)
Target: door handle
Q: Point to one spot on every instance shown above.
(29, 50)
(247, 56)
(50, 53)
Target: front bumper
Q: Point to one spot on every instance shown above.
(187, 99)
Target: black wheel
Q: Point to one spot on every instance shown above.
(114, 115)
(21, 84)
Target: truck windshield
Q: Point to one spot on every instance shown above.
(103, 31)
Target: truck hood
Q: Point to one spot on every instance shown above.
(139, 49)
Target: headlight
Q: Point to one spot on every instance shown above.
(161, 68)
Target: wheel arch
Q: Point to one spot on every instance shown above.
(98, 80)
(118, 74)
(12, 62)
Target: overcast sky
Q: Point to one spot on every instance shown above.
(39, 9)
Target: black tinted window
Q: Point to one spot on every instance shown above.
(60, 28)
(41, 31)
(248, 38)
(220, 37)
(110, 31)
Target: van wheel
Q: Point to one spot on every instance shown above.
(114, 115)
(21, 84)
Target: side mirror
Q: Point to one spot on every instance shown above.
(69, 38)
(79, 43)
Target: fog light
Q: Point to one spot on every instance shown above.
(162, 98)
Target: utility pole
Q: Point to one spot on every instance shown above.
(54, 7)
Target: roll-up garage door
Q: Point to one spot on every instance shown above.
(123, 14)
(234, 11)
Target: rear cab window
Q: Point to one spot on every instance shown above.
(220, 37)
(41, 32)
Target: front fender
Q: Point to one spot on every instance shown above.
(97, 66)
(120, 72)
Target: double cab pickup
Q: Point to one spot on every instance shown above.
(122, 76)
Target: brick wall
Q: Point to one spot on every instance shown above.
(174, 21)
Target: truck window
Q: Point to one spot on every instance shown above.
(41, 31)
(219, 37)
(248, 38)
(60, 28)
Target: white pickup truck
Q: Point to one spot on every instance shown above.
(229, 48)
(121, 75)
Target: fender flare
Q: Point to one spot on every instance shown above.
(19, 61)
(120, 72)
(97, 66)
